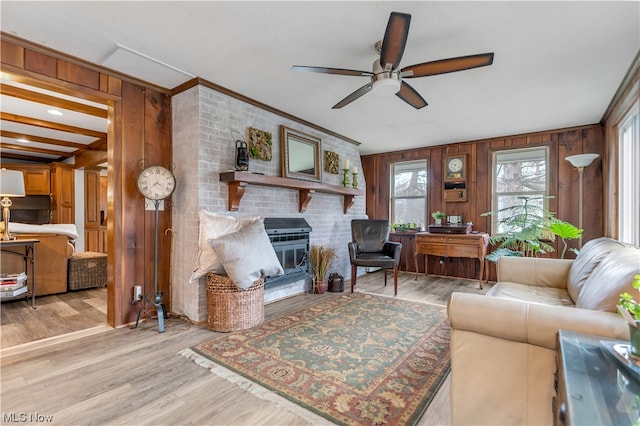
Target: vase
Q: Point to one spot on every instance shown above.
(438, 222)
(634, 338)
(320, 287)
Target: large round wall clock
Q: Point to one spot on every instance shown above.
(156, 183)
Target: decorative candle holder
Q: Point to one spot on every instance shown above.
(345, 180)
(355, 180)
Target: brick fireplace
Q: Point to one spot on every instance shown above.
(203, 148)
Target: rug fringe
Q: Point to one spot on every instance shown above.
(253, 387)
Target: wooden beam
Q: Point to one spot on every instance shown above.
(34, 149)
(51, 125)
(89, 158)
(40, 139)
(15, 156)
(28, 95)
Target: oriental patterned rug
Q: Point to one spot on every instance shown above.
(353, 359)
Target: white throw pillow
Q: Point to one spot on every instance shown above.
(247, 254)
(214, 226)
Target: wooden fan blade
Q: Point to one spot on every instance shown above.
(355, 95)
(410, 96)
(395, 38)
(339, 71)
(444, 66)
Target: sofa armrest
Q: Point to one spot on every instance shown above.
(534, 271)
(532, 323)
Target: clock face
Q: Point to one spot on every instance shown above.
(455, 165)
(156, 183)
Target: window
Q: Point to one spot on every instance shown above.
(409, 192)
(628, 178)
(518, 173)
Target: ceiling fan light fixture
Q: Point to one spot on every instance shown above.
(384, 82)
(386, 86)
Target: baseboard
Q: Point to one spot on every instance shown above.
(50, 341)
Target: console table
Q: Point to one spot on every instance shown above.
(472, 246)
(29, 255)
(593, 387)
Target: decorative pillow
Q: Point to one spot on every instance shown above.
(247, 254)
(214, 226)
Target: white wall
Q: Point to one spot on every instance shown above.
(203, 147)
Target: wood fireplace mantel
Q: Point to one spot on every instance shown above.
(238, 181)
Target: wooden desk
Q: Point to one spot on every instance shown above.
(473, 246)
(29, 257)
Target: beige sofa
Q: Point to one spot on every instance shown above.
(503, 345)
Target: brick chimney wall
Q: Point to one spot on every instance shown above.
(203, 147)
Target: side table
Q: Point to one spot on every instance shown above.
(593, 386)
(29, 255)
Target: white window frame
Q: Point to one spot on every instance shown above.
(494, 179)
(392, 188)
(628, 177)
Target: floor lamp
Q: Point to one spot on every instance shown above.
(581, 161)
(11, 185)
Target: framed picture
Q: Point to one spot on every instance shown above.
(300, 155)
(455, 168)
(259, 144)
(331, 162)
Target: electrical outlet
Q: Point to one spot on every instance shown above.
(137, 293)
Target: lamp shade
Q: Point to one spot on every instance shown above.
(581, 160)
(11, 183)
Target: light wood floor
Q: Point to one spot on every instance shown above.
(54, 315)
(124, 376)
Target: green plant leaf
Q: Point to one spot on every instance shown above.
(565, 230)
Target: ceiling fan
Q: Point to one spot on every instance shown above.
(387, 79)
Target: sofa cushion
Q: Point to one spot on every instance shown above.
(247, 254)
(531, 294)
(613, 276)
(587, 261)
(214, 226)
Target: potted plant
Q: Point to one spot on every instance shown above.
(438, 216)
(530, 228)
(630, 310)
(321, 257)
(403, 227)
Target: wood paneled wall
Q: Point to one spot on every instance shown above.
(564, 182)
(139, 129)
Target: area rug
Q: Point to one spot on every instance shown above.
(353, 359)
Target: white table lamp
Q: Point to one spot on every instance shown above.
(580, 161)
(11, 185)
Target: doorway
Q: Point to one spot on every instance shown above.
(43, 126)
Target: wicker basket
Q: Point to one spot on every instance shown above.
(230, 308)
(87, 269)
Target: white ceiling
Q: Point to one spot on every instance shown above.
(557, 64)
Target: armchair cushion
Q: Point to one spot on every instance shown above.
(602, 289)
(534, 271)
(591, 254)
(370, 235)
(532, 293)
(374, 259)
